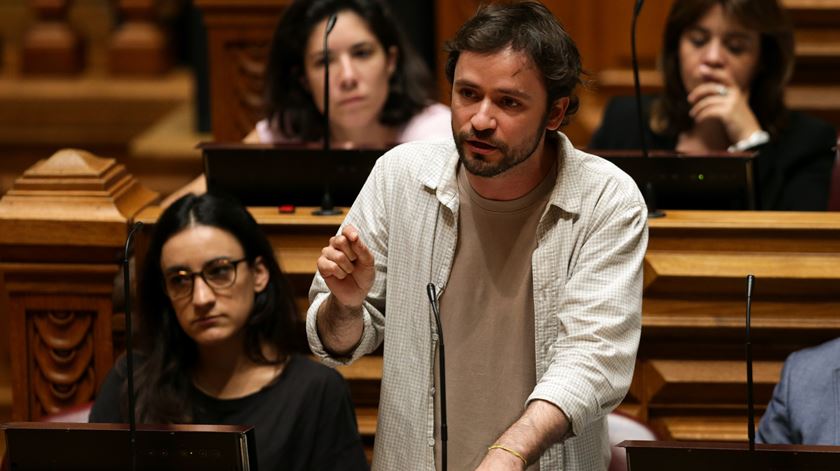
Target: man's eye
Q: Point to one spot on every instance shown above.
(510, 103)
(467, 93)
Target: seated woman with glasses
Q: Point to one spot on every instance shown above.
(219, 335)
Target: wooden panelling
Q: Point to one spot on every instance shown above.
(59, 305)
(139, 46)
(51, 46)
(238, 37)
(690, 378)
(239, 33)
(691, 352)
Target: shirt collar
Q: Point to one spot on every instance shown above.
(439, 175)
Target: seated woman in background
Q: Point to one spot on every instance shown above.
(380, 90)
(725, 66)
(218, 340)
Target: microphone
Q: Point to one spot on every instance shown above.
(431, 290)
(649, 193)
(330, 25)
(327, 208)
(129, 357)
(748, 344)
(637, 9)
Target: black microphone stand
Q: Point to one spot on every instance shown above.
(432, 292)
(129, 357)
(649, 191)
(327, 207)
(748, 345)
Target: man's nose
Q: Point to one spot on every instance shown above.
(484, 117)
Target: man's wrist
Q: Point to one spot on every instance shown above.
(336, 325)
(511, 454)
(340, 310)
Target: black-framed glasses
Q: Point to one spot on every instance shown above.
(217, 274)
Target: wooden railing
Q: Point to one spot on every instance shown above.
(690, 376)
(60, 238)
(61, 229)
(139, 46)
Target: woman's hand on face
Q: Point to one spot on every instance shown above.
(723, 101)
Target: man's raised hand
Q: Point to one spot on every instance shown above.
(347, 267)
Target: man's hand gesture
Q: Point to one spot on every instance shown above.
(347, 267)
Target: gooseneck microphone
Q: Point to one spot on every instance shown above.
(330, 25)
(327, 207)
(648, 190)
(748, 344)
(129, 357)
(636, 83)
(431, 290)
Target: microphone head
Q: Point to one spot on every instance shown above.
(431, 290)
(331, 23)
(638, 8)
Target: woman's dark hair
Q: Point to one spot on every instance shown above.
(289, 105)
(163, 378)
(670, 113)
(528, 27)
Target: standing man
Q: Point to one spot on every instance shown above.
(535, 246)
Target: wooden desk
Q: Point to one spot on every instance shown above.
(690, 376)
(689, 380)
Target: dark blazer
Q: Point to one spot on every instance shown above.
(792, 171)
(805, 408)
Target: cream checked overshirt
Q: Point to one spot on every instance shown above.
(587, 276)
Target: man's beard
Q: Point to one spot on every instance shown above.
(511, 157)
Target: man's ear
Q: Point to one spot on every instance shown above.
(261, 276)
(557, 113)
(392, 55)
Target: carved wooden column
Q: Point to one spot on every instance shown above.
(62, 229)
(139, 46)
(238, 37)
(51, 46)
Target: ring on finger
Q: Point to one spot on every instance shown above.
(722, 90)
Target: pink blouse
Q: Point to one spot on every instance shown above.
(432, 123)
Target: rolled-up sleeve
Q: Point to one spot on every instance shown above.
(369, 216)
(596, 323)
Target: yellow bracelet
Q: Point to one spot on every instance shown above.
(515, 453)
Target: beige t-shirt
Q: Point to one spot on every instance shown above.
(487, 317)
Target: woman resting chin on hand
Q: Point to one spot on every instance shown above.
(725, 67)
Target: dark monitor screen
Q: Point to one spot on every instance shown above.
(34, 446)
(688, 181)
(729, 456)
(273, 174)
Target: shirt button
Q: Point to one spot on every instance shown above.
(432, 391)
(435, 337)
(431, 442)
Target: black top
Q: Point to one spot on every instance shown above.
(304, 420)
(792, 171)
